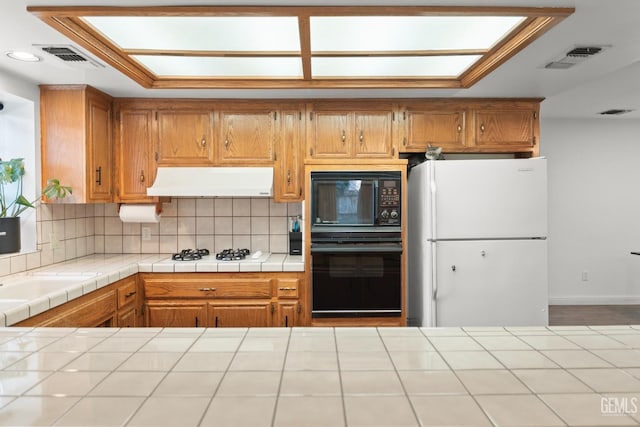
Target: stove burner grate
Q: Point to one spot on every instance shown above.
(232, 254)
(190, 254)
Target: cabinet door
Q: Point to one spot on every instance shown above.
(505, 129)
(240, 315)
(439, 128)
(247, 137)
(331, 135)
(288, 314)
(99, 169)
(176, 314)
(136, 168)
(373, 136)
(288, 173)
(127, 318)
(185, 138)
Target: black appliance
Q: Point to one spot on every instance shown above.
(190, 254)
(356, 244)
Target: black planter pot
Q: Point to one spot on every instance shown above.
(9, 235)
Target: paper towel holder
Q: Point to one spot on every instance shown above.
(158, 207)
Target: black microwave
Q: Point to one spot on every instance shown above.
(356, 200)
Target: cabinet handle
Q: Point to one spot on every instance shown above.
(482, 127)
(289, 177)
(216, 323)
(459, 128)
(226, 143)
(300, 193)
(99, 175)
(393, 151)
(130, 294)
(196, 321)
(206, 289)
(203, 142)
(286, 321)
(311, 151)
(299, 308)
(344, 136)
(361, 136)
(141, 176)
(287, 289)
(404, 140)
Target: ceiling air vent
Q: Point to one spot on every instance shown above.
(614, 112)
(70, 56)
(575, 56)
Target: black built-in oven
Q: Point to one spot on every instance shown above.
(356, 244)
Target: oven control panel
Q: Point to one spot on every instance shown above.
(388, 209)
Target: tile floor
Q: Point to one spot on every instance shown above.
(562, 375)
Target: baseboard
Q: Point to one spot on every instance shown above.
(596, 300)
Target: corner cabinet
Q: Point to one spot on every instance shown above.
(135, 153)
(506, 128)
(76, 145)
(115, 305)
(222, 299)
(340, 130)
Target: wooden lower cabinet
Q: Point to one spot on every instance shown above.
(105, 307)
(219, 300)
(240, 315)
(175, 314)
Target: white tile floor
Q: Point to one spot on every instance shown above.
(320, 377)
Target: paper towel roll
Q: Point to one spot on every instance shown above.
(139, 213)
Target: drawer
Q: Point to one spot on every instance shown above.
(207, 288)
(288, 288)
(127, 293)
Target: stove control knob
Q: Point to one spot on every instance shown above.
(394, 214)
(384, 214)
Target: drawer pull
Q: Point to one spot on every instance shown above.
(287, 289)
(206, 289)
(129, 294)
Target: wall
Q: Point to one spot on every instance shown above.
(594, 210)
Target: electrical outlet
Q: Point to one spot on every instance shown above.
(585, 276)
(146, 234)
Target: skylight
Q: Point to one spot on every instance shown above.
(251, 46)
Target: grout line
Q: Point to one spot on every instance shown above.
(284, 362)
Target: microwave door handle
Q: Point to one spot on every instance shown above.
(375, 201)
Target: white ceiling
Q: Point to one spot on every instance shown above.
(607, 80)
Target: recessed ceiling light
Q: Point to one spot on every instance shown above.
(23, 56)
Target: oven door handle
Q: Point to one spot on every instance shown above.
(356, 248)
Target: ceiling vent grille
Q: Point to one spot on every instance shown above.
(614, 112)
(575, 56)
(70, 56)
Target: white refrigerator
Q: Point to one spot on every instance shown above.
(477, 249)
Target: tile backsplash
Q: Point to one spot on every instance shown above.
(68, 231)
(211, 223)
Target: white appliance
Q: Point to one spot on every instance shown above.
(477, 249)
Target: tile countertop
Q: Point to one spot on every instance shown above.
(25, 295)
(280, 377)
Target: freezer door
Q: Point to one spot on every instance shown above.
(484, 199)
(491, 283)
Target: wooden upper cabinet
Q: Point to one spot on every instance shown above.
(507, 129)
(331, 134)
(136, 168)
(339, 131)
(439, 128)
(76, 145)
(246, 136)
(185, 138)
(373, 134)
(288, 168)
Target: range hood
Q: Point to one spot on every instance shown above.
(213, 182)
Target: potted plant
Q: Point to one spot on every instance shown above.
(13, 202)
